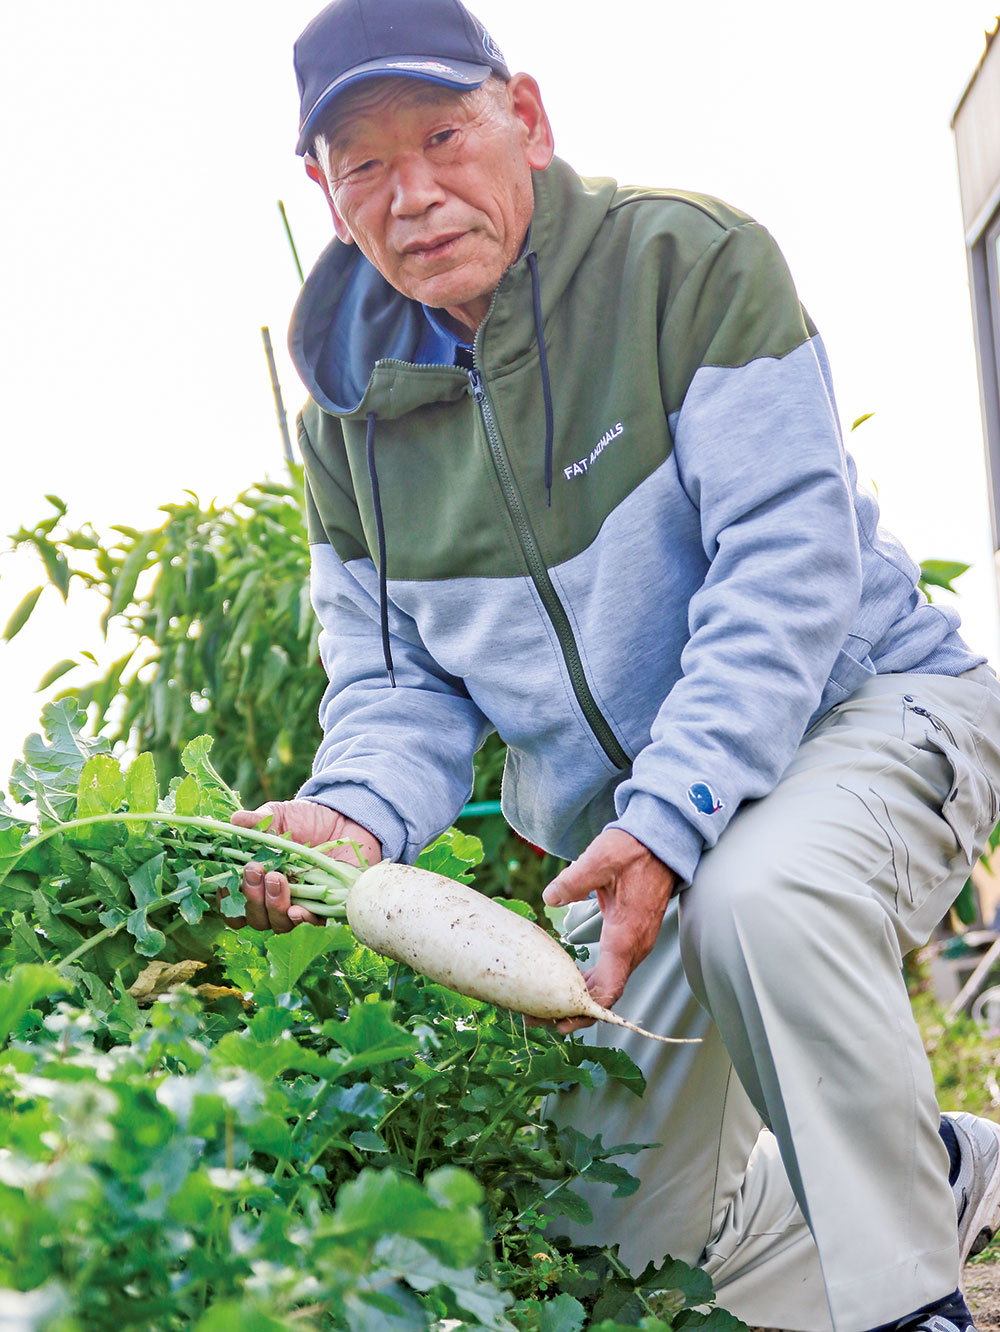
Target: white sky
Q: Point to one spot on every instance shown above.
(144, 147)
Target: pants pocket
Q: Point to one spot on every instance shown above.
(582, 923)
(970, 804)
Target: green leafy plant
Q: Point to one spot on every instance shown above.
(223, 639)
(964, 1057)
(313, 1138)
(216, 602)
(940, 573)
(169, 1168)
(103, 855)
(154, 1184)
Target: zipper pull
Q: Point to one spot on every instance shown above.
(922, 712)
(478, 392)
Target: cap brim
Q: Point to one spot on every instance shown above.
(449, 73)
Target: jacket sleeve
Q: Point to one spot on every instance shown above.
(396, 760)
(759, 453)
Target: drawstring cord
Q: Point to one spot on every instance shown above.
(383, 591)
(543, 365)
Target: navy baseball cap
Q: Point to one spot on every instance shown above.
(350, 40)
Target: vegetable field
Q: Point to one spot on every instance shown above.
(210, 1128)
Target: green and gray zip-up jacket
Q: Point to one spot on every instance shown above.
(653, 631)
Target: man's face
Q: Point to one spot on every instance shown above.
(434, 186)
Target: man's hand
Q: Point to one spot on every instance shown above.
(268, 895)
(633, 888)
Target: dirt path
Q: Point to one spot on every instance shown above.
(982, 1289)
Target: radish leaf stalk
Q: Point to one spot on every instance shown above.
(88, 852)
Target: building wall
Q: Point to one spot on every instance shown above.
(977, 138)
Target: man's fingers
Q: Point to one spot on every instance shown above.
(530, 1020)
(607, 980)
(253, 891)
(267, 892)
(347, 852)
(277, 900)
(359, 845)
(565, 1025)
(579, 880)
(269, 905)
(235, 922)
(299, 915)
(249, 818)
(253, 875)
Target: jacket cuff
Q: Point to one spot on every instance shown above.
(665, 832)
(361, 806)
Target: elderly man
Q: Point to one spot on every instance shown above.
(575, 473)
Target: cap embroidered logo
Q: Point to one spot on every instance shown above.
(491, 48)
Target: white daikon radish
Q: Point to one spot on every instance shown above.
(461, 939)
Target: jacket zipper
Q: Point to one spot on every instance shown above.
(543, 583)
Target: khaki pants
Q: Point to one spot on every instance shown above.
(785, 956)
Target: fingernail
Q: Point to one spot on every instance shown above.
(254, 878)
(551, 897)
(271, 885)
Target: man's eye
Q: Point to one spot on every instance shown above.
(441, 137)
(362, 168)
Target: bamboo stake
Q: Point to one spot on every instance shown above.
(279, 405)
(291, 240)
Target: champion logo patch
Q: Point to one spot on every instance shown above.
(703, 798)
(581, 467)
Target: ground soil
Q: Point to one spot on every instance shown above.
(982, 1289)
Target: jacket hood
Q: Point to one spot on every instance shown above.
(353, 337)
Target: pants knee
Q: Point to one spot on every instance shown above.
(755, 911)
(769, 919)
(725, 897)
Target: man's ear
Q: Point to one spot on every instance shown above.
(525, 101)
(315, 172)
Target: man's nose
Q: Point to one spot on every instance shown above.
(415, 188)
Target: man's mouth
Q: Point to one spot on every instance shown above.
(433, 247)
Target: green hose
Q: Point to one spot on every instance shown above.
(480, 809)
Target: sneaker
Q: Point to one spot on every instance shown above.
(941, 1323)
(938, 1322)
(950, 1315)
(977, 1185)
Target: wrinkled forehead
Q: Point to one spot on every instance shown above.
(380, 99)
